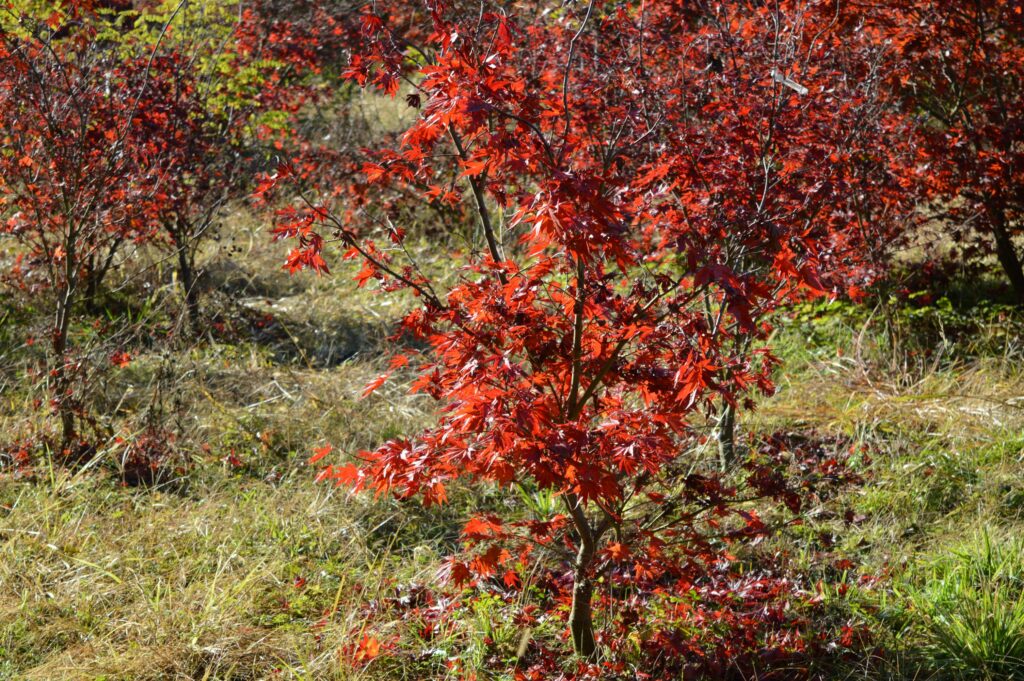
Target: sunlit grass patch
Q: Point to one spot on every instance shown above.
(963, 605)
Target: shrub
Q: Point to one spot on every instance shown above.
(151, 459)
(636, 232)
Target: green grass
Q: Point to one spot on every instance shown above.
(964, 606)
(944, 422)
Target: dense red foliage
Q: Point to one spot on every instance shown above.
(650, 182)
(112, 138)
(958, 70)
(73, 173)
(213, 134)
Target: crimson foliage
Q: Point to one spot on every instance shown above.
(957, 71)
(650, 182)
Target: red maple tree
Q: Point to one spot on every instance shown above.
(650, 181)
(74, 181)
(957, 72)
(216, 121)
(112, 136)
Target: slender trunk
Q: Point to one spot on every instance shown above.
(96, 272)
(62, 393)
(1006, 252)
(727, 422)
(727, 437)
(187, 278)
(92, 284)
(61, 385)
(581, 618)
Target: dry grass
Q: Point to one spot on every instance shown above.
(251, 571)
(229, 573)
(100, 582)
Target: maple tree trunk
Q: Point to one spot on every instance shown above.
(727, 437)
(187, 278)
(59, 342)
(95, 274)
(581, 618)
(92, 285)
(1006, 252)
(61, 390)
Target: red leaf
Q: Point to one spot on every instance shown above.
(320, 453)
(373, 385)
(482, 528)
(368, 649)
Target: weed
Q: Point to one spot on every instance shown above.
(966, 607)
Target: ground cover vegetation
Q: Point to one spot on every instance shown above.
(511, 340)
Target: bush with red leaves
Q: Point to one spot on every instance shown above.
(727, 606)
(151, 458)
(649, 183)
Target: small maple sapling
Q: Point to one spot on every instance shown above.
(646, 193)
(223, 88)
(958, 75)
(73, 171)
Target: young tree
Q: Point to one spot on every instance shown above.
(960, 76)
(650, 182)
(123, 125)
(226, 86)
(73, 182)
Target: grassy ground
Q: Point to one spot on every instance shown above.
(245, 569)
